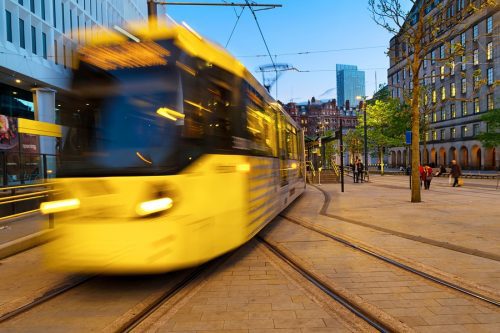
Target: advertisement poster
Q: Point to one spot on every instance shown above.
(29, 144)
(9, 137)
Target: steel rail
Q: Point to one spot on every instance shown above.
(394, 262)
(46, 297)
(372, 321)
(4, 218)
(24, 186)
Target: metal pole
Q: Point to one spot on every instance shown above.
(341, 158)
(152, 12)
(366, 139)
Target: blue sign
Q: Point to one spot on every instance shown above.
(408, 137)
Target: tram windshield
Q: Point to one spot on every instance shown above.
(129, 122)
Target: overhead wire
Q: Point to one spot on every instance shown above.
(235, 24)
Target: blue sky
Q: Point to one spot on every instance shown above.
(299, 26)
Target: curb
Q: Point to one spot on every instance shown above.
(25, 243)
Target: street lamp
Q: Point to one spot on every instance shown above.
(363, 100)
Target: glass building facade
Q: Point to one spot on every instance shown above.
(350, 83)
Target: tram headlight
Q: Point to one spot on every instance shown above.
(59, 206)
(154, 206)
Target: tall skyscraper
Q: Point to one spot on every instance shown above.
(350, 83)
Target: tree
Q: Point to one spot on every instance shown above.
(387, 120)
(353, 142)
(491, 138)
(425, 27)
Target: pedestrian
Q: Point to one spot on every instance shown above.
(355, 170)
(361, 169)
(422, 174)
(456, 172)
(427, 177)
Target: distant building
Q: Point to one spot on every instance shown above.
(350, 84)
(457, 97)
(317, 118)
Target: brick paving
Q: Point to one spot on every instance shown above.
(251, 294)
(460, 216)
(415, 301)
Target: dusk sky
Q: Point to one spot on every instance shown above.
(299, 26)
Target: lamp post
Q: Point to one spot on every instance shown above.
(362, 99)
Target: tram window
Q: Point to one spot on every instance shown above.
(261, 126)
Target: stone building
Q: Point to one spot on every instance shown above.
(457, 95)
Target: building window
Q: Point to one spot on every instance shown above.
(475, 60)
(464, 108)
(433, 57)
(475, 129)
(441, 71)
(8, 22)
(44, 45)
(463, 131)
(463, 39)
(442, 135)
(32, 6)
(475, 32)
(489, 51)
(434, 116)
(441, 52)
(489, 24)
(434, 135)
(443, 114)
(21, 2)
(434, 96)
(453, 111)
(453, 133)
(433, 77)
(452, 67)
(463, 86)
(43, 9)
(476, 105)
(54, 13)
(56, 59)
(443, 93)
(62, 18)
(477, 82)
(489, 102)
(453, 89)
(427, 136)
(22, 37)
(33, 39)
(464, 63)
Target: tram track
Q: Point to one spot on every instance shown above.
(440, 281)
(47, 296)
(357, 309)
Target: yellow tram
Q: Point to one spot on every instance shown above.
(172, 155)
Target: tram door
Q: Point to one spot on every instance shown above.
(283, 154)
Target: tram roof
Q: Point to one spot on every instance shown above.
(185, 38)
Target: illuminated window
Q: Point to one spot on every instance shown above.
(489, 51)
(426, 136)
(434, 135)
(434, 116)
(441, 71)
(476, 57)
(453, 111)
(443, 93)
(463, 86)
(434, 96)
(453, 89)
(453, 133)
(452, 67)
(433, 77)
(464, 108)
(463, 131)
(476, 105)
(443, 114)
(489, 102)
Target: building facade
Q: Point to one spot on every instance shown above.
(38, 39)
(459, 91)
(350, 85)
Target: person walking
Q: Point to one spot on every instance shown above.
(427, 177)
(456, 172)
(361, 169)
(355, 170)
